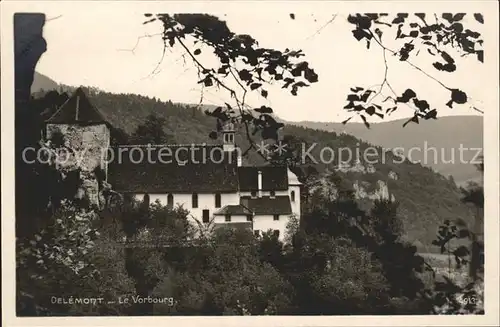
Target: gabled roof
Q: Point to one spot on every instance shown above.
(236, 209)
(274, 178)
(173, 169)
(77, 110)
(279, 205)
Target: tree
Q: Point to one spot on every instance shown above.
(227, 278)
(151, 132)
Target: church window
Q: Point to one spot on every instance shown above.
(195, 200)
(292, 195)
(206, 216)
(217, 200)
(170, 200)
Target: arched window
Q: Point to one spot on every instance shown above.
(170, 200)
(217, 200)
(292, 196)
(195, 200)
(146, 201)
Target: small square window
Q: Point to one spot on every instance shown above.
(276, 233)
(256, 232)
(228, 218)
(254, 194)
(276, 217)
(249, 218)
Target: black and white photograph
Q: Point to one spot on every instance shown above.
(250, 158)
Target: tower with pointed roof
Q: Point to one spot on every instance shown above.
(84, 130)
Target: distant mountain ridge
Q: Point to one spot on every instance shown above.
(426, 198)
(446, 135)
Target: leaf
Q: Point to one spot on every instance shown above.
(447, 57)
(263, 93)
(292, 16)
(458, 96)
(461, 251)
(360, 34)
(448, 16)
(310, 75)
(149, 21)
(366, 95)
(414, 33)
(264, 110)
(347, 120)
(479, 17)
(254, 86)
(357, 89)
(407, 95)
(364, 121)
(208, 81)
(480, 55)
(196, 52)
(245, 75)
(421, 104)
(148, 15)
(370, 110)
(458, 17)
(463, 233)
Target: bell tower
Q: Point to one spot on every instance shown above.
(228, 137)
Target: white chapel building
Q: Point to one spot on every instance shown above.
(207, 180)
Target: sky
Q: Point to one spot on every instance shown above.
(109, 49)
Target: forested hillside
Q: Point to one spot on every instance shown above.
(445, 134)
(426, 198)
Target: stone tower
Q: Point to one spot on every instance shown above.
(229, 143)
(84, 130)
(228, 136)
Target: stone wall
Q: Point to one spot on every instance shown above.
(87, 145)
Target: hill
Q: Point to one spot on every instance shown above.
(43, 83)
(445, 134)
(426, 198)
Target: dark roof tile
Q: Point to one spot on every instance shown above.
(77, 110)
(279, 205)
(273, 178)
(237, 209)
(173, 169)
(237, 226)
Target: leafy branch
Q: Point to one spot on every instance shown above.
(240, 58)
(434, 37)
